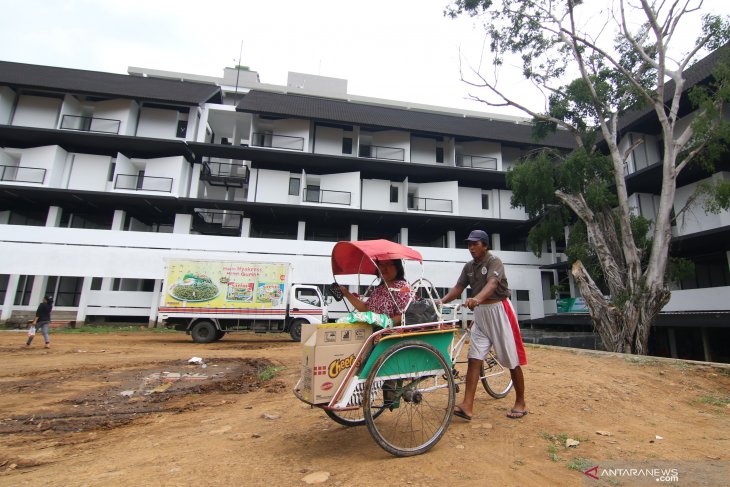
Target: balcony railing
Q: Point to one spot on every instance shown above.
(476, 162)
(315, 195)
(430, 204)
(224, 174)
(143, 183)
(91, 124)
(277, 141)
(22, 174)
(382, 152)
(211, 222)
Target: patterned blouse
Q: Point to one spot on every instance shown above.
(380, 300)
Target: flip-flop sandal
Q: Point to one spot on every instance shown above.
(511, 415)
(460, 413)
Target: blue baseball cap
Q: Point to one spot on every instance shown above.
(476, 235)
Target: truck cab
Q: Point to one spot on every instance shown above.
(306, 306)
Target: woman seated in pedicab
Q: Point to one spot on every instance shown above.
(390, 296)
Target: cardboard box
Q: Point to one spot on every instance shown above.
(330, 350)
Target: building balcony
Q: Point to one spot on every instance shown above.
(22, 174)
(211, 222)
(430, 204)
(143, 183)
(224, 174)
(312, 194)
(476, 162)
(90, 124)
(382, 152)
(276, 141)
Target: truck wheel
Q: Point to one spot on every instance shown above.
(295, 330)
(203, 332)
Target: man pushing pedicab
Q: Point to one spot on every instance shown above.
(495, 323)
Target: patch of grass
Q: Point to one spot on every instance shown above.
(580, 464)
(269, 373)
(557, 443)
(715, 401)
(553, 453)
(641, 360)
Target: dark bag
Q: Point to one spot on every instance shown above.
(420, 311)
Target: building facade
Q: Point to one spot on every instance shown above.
(103, 177)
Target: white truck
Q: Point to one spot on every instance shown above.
(209, 298)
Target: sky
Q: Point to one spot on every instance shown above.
(404, 50)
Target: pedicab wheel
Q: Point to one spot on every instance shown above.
(352, 417)
(496, 378)
(411, 384)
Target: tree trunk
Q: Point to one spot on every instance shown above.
(622, 328)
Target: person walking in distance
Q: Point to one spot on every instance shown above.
(43, 320)
(495, 323)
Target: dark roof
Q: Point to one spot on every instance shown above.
(698, 73)
(349, 112)
(31, 76)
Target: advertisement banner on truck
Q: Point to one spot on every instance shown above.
(224, 284)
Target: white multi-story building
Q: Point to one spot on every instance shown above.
(105, 176)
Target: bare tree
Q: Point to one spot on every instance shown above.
(637, 68)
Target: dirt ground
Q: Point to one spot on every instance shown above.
(128, 409)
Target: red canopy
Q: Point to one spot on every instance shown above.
(357, 257)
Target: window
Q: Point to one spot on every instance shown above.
(96, 283)
(66, 290)
(294, 186)
(182, 129)
(521, 295)
(485, 201)
(22, 292)
(4, 278)
(33, 218)
(112, 168)
(308, 296)
(140, 179)
(147, 285)
(439, 154)
(394, 194)
(347, 145)
(312, 194)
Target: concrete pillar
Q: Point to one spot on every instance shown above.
(202, 126)
(706, 344)
(194, 181)
(353, 232)
(301, 228)
(245, 227)
(54, 216)
(571, 284)
(7, 310)
(404, 236)
(118, 220)
(451, 239)
(193, 121)
(38, 290)
(183, 223)
(83, 301)
(236, 138)
(553, 251)
(155, 306)
(496, 241)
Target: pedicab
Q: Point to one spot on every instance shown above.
(396, 380)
